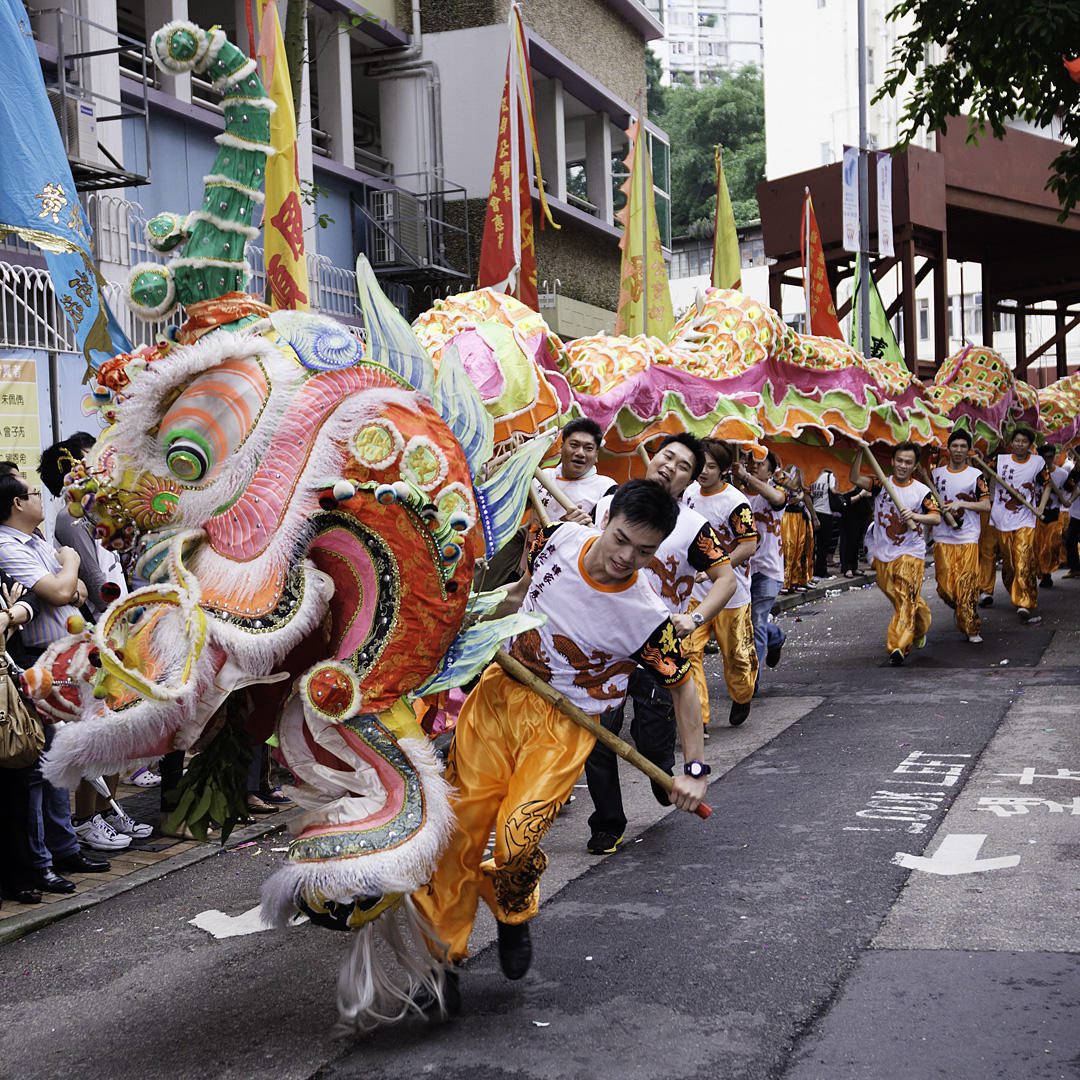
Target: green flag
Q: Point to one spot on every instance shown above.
(882, 340)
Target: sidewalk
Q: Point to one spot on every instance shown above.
(143, 861)
(829, 586)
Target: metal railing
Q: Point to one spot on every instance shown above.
(30, 317)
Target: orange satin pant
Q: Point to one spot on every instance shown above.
(901, 581)
(989, 550)
(734, 631)
(514, 762)
(797, 539)
(1018, 569)
(956, 567)
(1050, 545)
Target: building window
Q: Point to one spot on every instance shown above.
(924, 319)
(661, 166)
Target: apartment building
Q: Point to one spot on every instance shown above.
(704, 38)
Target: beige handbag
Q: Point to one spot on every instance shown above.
(22, 736)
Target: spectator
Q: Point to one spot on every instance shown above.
(53, 576)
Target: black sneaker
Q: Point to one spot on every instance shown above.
(986, 601)
(738, 713)
(603, 843)
(429, 1005)
(896, 657)
(515, 949)
(711, 648)
(772, 656)
(1047, 582)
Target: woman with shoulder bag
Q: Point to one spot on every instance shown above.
(22, 731)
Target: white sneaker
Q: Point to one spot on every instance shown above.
(96, 833)
(975, 639)
(124, 824)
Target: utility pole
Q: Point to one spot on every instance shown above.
(863, 284)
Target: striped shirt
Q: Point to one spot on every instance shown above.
(28, 557)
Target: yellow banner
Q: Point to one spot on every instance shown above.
(283, 242)
(644, 299)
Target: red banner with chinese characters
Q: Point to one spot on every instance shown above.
(507, 257)
(819, 301)
(507, 253)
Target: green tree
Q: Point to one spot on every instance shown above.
(730, 113)
(1000, 60)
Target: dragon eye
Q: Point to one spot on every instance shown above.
(187, 460)
(210, 420)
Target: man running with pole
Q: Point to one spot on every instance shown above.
(899, 549)
(515, 757)
(1019, 475)
(965, 498)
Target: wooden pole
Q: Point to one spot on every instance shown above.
(928, 480)
(886, 483)
(547, 478)
(523, 675)
(980, 464)
(643, 454)
(538, 507)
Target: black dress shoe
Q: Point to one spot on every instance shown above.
(82, 863)
(50, 881)
(23, 896)
(739, 713)
(515, 949)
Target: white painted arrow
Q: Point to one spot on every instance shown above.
(957, 854)
(219, 925)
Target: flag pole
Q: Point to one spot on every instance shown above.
(645, 196)
(806, 257)
(864, 195)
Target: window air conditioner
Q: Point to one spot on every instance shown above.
(81, 131)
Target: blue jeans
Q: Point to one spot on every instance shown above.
(51, 834)
(763, 591)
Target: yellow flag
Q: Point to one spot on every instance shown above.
(726, 264)
(644, 299)
(283, 241)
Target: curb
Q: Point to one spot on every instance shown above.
(828, 587)
(20, 925)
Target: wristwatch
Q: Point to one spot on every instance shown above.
(696, 617)
(696, 769)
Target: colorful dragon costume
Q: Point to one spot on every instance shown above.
(302, 506)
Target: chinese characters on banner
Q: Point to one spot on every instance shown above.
(20, 437)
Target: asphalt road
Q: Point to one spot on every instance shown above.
(795, 934)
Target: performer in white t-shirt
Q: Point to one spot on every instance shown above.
(1011, 529)
(727, 509)
(767, 563)
(1071, 488)
(966, 496)
(1050, 528)
(692, 547)
(899, 552)
(577, 475)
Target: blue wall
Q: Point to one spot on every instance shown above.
(181, 154)
(335, 241)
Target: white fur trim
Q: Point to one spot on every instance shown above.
(370, 992)
(401, 869)
(221, 180)
(228, 139)
(222, 224)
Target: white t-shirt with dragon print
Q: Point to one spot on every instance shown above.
(595, 635)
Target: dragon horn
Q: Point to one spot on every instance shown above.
(213, 237)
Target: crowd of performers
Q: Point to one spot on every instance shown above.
(636, 578)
